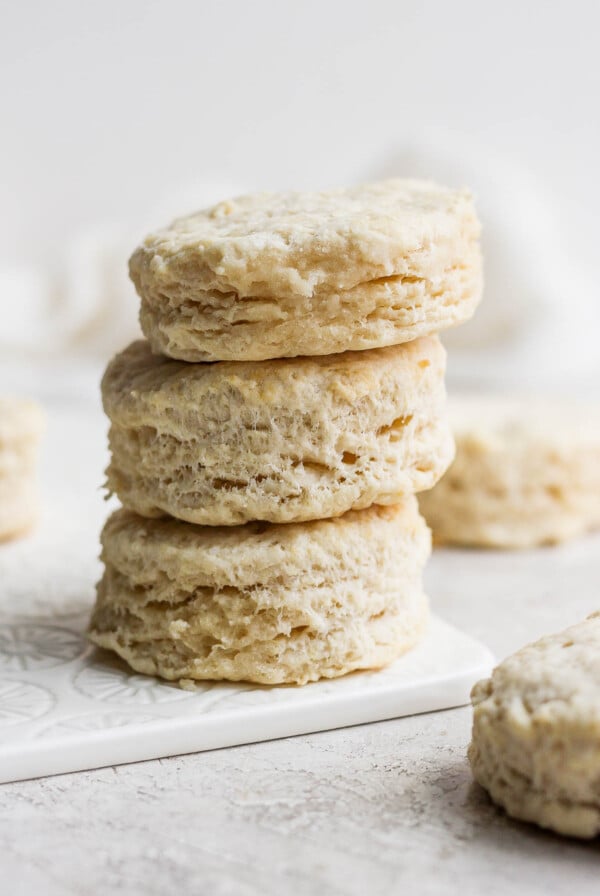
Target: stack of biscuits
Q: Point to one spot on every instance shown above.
(268, 438)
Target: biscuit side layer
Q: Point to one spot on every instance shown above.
(209, 326)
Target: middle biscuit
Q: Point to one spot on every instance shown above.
(281, 440)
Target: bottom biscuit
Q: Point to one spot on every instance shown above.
(273, 604)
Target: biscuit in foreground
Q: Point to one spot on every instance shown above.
(21, 426)
(262, 603)
(526, 473)
(536, 732)
(283, 440)
(282, 275)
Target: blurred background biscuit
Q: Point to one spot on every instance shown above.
(21, 426)
(526, 473)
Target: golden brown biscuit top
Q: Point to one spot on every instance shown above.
(281, 244)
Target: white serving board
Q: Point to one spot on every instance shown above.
(65, 706)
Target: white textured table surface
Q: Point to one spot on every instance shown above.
(378, 809)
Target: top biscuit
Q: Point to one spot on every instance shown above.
(280, 275)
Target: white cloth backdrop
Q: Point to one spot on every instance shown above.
(536, 328)
(117, 116)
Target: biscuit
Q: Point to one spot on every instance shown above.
(536, 732)
(526, 473)
(264, 603)
(282, 441)
(21, 425)
(282, 275)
